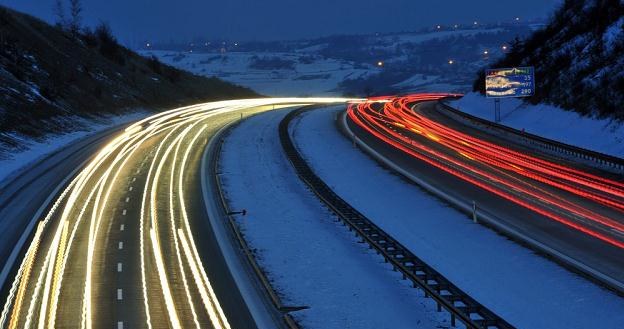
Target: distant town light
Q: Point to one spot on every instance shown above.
(456, 25)
(235, 43)
(380, 63)
(517, 19)
(451, 62)
(485, 52)
(475, 23)
(504, 47)
(439, 27)
(147, 45)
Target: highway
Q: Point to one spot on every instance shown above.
(124, 241)
(575, 210)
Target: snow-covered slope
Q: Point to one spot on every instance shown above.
(276, 74)
(352, 64)
(578, 58)
(601, 135)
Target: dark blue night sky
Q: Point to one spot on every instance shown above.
(135, 20)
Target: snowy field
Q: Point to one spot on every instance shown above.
(525, 289)
(309, 257)
(308, 75)
(36, 150)
(317, 67)
(601, 135)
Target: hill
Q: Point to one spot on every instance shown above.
(49, 76)
(380, 63)
(578, 58)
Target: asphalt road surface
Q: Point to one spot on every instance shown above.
(123, 242)
(570, 208)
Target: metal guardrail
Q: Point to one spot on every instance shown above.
(289, 322)
(448, 296)
(608, 161)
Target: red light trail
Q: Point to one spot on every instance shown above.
(526, 180)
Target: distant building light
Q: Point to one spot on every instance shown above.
(456, 25)
(517, 19)
(475, 23)
(451, 62)
(485, 52)
(235, 43)
(380, 63)
(439, 27)
(504, 47)
(147, 45)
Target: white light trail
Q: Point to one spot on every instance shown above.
(84, 202)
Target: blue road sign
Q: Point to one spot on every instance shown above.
(510, 82)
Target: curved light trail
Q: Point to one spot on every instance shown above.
(59, 281)
(581, 200)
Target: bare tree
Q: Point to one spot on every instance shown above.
(75, 11)
(59, 13)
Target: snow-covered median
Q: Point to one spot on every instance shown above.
(523, 288)
(601, 135)
(309, 257)
(35, 150)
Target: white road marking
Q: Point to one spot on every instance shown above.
(119, 324)
(124, 212)
(130, 189)
(119, 294)
(122, 227)
(119, 267)
(120, 245)
(127, 199)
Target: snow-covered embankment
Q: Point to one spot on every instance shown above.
(520, 286)
(308, 256)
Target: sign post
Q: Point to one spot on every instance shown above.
(508, 82)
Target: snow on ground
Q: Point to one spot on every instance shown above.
(36, 150)
(401, 38)
(522, 287)
(309, 257)
(309, 75)
(418, 80)
(601, 135)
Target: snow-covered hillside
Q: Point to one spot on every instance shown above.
(578, 58)
(601, 135)
(441, 60)
(275, 74)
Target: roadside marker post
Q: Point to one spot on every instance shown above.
(497, 117)
(474, 211)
